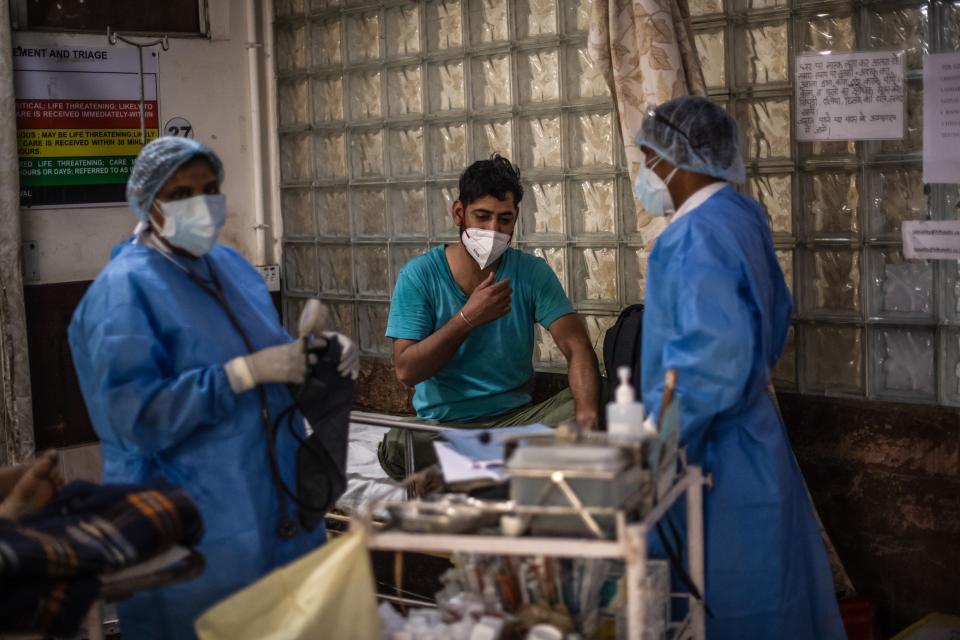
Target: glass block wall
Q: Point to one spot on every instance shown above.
(382, 104)
(867, 322)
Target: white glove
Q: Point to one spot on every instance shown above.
(282, 363)
(313, 318)
(349, 355)
(650, 426)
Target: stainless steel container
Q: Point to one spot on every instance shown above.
(589, 478)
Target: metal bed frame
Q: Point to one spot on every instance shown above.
(408, 426)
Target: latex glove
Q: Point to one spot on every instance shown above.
(283, 363)
(349, 365)
(313, 318)
(650, 426)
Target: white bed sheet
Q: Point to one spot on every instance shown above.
(366, 480)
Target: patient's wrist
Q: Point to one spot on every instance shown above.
(467, 320)
(587, 419)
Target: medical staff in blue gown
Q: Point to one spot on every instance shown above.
(718, 311)
(159, 343)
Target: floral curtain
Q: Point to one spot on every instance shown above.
(16, 415)
(645, 49)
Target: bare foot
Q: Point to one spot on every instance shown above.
(38, 484)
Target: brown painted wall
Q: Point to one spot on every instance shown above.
(59, 413)
(379, 390)
(886, 480)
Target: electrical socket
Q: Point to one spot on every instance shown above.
(271, 275)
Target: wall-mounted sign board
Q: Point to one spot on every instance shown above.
(78, 119)
(941, 118)
(850, 96)
(931, 239)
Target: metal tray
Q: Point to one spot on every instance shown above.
(450, 514)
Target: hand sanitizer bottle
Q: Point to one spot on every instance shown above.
(625, 414)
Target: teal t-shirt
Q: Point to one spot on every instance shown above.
(488, 374)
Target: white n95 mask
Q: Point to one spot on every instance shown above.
(194, 224)
(483, 245)
(651, 190)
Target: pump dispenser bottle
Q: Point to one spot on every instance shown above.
(625, 414)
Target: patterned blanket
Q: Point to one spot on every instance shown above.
(50, 562)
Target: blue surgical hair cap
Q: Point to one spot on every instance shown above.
(158, 160)
(695, 134)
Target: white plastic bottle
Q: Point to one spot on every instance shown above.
(625, 414)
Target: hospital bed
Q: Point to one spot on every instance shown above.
(367, 482)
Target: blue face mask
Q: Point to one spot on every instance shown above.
(194, 224)
(651, 190)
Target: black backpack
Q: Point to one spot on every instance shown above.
(621, 348)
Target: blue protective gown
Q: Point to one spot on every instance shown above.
(717, 311)
(149, 347)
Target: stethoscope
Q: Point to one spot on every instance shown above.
(287, 527)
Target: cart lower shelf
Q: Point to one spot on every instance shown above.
(630, 546)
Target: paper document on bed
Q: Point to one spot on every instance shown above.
(477, 454)
(460, 468)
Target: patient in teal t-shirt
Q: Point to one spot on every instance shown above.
(462, 323)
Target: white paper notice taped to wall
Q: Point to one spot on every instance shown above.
(931, 239)
(850, 96)
(941, 118)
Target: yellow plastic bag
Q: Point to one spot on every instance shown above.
(326, 594)
(936, 626)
